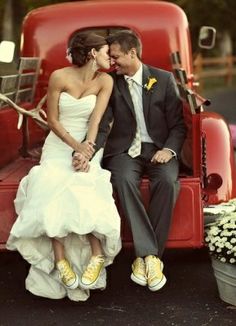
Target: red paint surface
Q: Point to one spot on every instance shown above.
(163, 28)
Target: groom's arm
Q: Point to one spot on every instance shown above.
(105, 125)
(104, 128)
(79, 163)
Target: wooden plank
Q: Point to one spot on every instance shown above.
(12, 173)
(8, 83)
(28, 63)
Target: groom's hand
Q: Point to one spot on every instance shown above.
(162, 156)
(80, 163)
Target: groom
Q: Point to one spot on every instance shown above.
(143, 131)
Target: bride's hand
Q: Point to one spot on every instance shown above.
(86, 149)
(80, 163)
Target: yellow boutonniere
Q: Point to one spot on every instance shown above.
(151, 81)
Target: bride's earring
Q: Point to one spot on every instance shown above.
(94, 62)
(94, 65)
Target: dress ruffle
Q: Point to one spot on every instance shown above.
(54, 201)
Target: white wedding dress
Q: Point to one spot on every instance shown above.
(54, 201)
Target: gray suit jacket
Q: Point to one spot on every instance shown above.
(163, 114)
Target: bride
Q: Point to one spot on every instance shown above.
(68, 227)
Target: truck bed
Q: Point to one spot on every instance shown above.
(187, 226)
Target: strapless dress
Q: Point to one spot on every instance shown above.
(54, 201)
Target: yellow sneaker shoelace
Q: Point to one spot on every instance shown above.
(153, 268)
(66, 273)
(139, 267)
(94, 268)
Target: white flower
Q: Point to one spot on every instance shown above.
(224, 233)
(214, 230)
(228, 245)
(221, 236)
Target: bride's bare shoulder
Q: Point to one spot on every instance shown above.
(59, 76)
(105, 78)
(61, 72)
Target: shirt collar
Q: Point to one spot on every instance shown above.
(137, 77)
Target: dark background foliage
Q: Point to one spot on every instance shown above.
(220, 14)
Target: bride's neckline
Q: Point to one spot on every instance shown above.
(77, 99)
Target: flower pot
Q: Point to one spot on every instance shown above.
(225, 274)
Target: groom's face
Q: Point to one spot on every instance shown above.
(122, 61)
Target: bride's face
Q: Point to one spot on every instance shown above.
(103, 58)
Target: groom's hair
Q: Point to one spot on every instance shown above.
(127, 40)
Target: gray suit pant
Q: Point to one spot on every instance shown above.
(150, 227)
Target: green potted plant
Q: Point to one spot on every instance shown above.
(221, 241)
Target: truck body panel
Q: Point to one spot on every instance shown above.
(163, 29)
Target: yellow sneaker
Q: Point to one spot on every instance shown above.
(139, 272)
(68, 277)
(92, 272)
(155, 278)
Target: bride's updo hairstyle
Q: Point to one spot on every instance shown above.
(81, 46)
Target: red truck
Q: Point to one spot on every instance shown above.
(208, 173)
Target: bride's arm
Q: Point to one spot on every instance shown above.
(55, 88)
(101, 105)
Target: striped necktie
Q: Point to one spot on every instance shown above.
(135, 148)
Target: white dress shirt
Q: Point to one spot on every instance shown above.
(138, 106)
(138, 103)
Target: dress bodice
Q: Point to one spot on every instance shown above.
(74, 113)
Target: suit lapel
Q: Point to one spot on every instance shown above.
(124, 90)
(146, 94)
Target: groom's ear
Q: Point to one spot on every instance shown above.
(133, 53)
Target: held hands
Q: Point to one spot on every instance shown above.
(86, 149)
(162, 156)
(80, 163)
